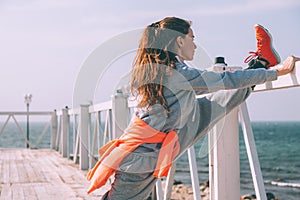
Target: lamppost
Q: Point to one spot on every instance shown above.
(27, 102)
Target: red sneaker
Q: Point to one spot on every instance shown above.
(265, 49)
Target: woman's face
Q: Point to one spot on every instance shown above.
(186, 46)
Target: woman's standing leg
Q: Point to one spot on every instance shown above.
(134, 186)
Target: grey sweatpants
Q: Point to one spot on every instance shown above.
(210, 110)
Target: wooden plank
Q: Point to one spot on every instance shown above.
(41, 191)
(6, 193)
(13, 171)
(31, 173)
(22, 173)
(41, 174)
(17, 191)
(1, 170)
(5, 174)
(29, 192)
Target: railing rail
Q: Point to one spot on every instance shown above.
(12, 115)
(26, 113)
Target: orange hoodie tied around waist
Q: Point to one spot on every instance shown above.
(116, 150)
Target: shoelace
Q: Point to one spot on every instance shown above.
(251, 56)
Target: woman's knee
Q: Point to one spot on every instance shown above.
(242, 94)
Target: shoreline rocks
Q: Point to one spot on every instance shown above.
(185, 192)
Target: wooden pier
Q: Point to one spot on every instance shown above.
(41, 174)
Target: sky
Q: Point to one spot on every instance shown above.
(44, 44)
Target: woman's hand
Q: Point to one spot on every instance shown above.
(287, 66)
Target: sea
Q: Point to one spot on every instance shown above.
(277, 143)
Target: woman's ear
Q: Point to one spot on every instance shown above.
(179, 41)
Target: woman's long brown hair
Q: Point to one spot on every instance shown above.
(155, 58)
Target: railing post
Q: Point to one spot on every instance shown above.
(224, 157)
(194, 173)
(58, 134)
(252, 153)
(53, 130)
(120, 113)
(83, 144)
(224, 161)
(65, 133)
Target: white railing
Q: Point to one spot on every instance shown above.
(90, 131)
(11, 116)
(224, 171)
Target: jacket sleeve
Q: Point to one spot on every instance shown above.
(202, 81)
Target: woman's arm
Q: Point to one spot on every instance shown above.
(207, 81)
(202, 81)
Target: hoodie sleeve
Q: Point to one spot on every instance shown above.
(202, 81)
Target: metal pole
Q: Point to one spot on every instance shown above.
(27, 143)
(27, 101)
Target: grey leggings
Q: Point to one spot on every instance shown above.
(210, 110)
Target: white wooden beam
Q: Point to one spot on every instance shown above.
(84, 132)
(252, 153)
(120, 114)
(225, 166)
(65, 133)
(287, 81)
(53, 130)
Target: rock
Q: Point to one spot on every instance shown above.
(176, 182)
(185, 192)
(248, 197)
(270, 196)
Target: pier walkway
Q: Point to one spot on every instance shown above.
(41, 174)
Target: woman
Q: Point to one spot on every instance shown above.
(170, 118)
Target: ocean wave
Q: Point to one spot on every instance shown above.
(284, 184)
